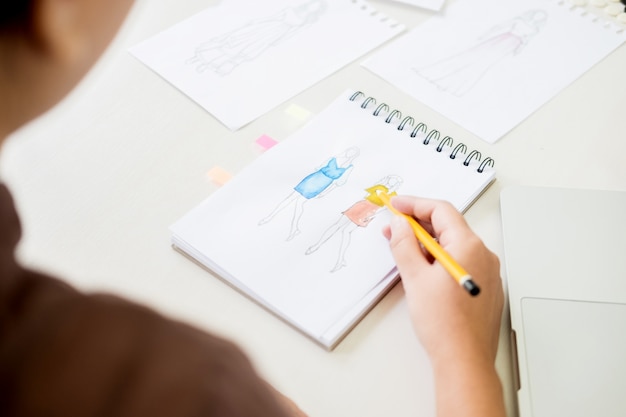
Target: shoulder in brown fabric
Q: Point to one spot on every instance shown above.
(63, 353)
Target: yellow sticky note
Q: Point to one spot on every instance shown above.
(298, 112)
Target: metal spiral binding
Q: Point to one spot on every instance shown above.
(375, 14)
(422, 130)
(583, 11)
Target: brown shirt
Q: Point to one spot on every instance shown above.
(64, 353)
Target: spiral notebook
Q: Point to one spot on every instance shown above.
(295, 231)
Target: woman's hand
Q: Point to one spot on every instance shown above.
(459, 332)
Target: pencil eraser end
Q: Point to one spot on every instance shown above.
(471, 288)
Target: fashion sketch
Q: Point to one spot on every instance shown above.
(223, 53)
(358, 215)
(459, 73)
(331, 174)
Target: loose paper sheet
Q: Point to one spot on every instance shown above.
(426, 4)
(239, 59)
(489, 64)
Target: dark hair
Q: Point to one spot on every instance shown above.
(14, 15)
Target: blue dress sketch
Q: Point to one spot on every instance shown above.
(314, 184)
(223, 53)
(459, 73)
(358, 215)
(333, 173)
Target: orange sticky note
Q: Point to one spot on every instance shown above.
(219, 175)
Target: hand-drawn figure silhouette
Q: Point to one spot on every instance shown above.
(358, 215)
(459, 73)
(331, 174)
(223, 53)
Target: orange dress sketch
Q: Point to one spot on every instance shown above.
(459, 73)
(362, 212)
(358, 215)
(331, 174)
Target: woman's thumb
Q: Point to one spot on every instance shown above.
(405, 248)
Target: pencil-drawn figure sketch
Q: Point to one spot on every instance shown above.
(223, 53)
(459, 73)
(331, 174)
(358, 215)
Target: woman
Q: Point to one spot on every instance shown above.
(63, 353)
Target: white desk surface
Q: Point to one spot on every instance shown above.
(100, 178)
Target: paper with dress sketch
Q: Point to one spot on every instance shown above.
(425, 4)
(298, 231)
(489, 64)
(240, 59)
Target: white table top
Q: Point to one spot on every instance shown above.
(100, 178)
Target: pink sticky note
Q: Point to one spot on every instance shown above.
(219, 175)
(265, 142)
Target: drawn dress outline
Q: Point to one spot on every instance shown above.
(314, 184)
(459, 73)
(225, 52)
(333, 173)
(358, 215)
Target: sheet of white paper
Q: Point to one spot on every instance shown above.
(426, 4)
(304, 258)
(239, 59)
(489, 64)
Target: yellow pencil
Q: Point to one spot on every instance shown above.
(458, 273)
